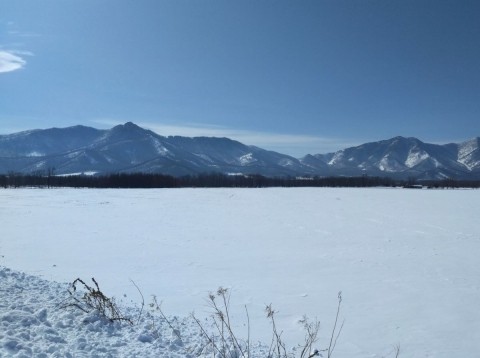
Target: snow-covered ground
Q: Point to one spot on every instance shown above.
(37, 319)
(406, 262)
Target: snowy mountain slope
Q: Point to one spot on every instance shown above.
(469, 154)
(38, 143)
(129, 148)
(402, 157)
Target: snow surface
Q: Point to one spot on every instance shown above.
(37, 320)
(415, 157)
(160, 148)
(89, 173)
(35, 154)
(247, 159)
(466, 152)
(406, 262)
(388, 164)
(336, 157)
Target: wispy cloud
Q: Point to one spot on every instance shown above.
(23, 34)
(296, 145)
(12, 60)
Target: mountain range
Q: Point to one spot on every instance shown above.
(129, 148)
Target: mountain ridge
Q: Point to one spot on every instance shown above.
(130, 148)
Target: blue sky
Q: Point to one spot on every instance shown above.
(298, 77)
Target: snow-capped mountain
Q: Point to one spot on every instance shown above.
(404, 157)
(130, 148)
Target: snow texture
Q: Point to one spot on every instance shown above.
(466, 153)
(415, 157)
(405, 260)
(247, 159)
(38, 320)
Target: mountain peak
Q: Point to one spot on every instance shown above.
(131, 125)
(402, 139)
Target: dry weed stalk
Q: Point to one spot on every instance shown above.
(224, 342)
(155, 306)
(277, 346)
(335, 334)
(95, 299)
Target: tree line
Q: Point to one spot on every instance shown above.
(213, 180)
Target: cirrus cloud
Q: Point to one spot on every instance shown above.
(11, 61)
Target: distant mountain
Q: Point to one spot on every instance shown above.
(130, 148)
(402, 158)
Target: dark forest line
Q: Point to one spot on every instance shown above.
(215, 180)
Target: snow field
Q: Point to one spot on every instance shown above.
(406, 261)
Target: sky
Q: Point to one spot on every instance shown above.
(297, 77)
